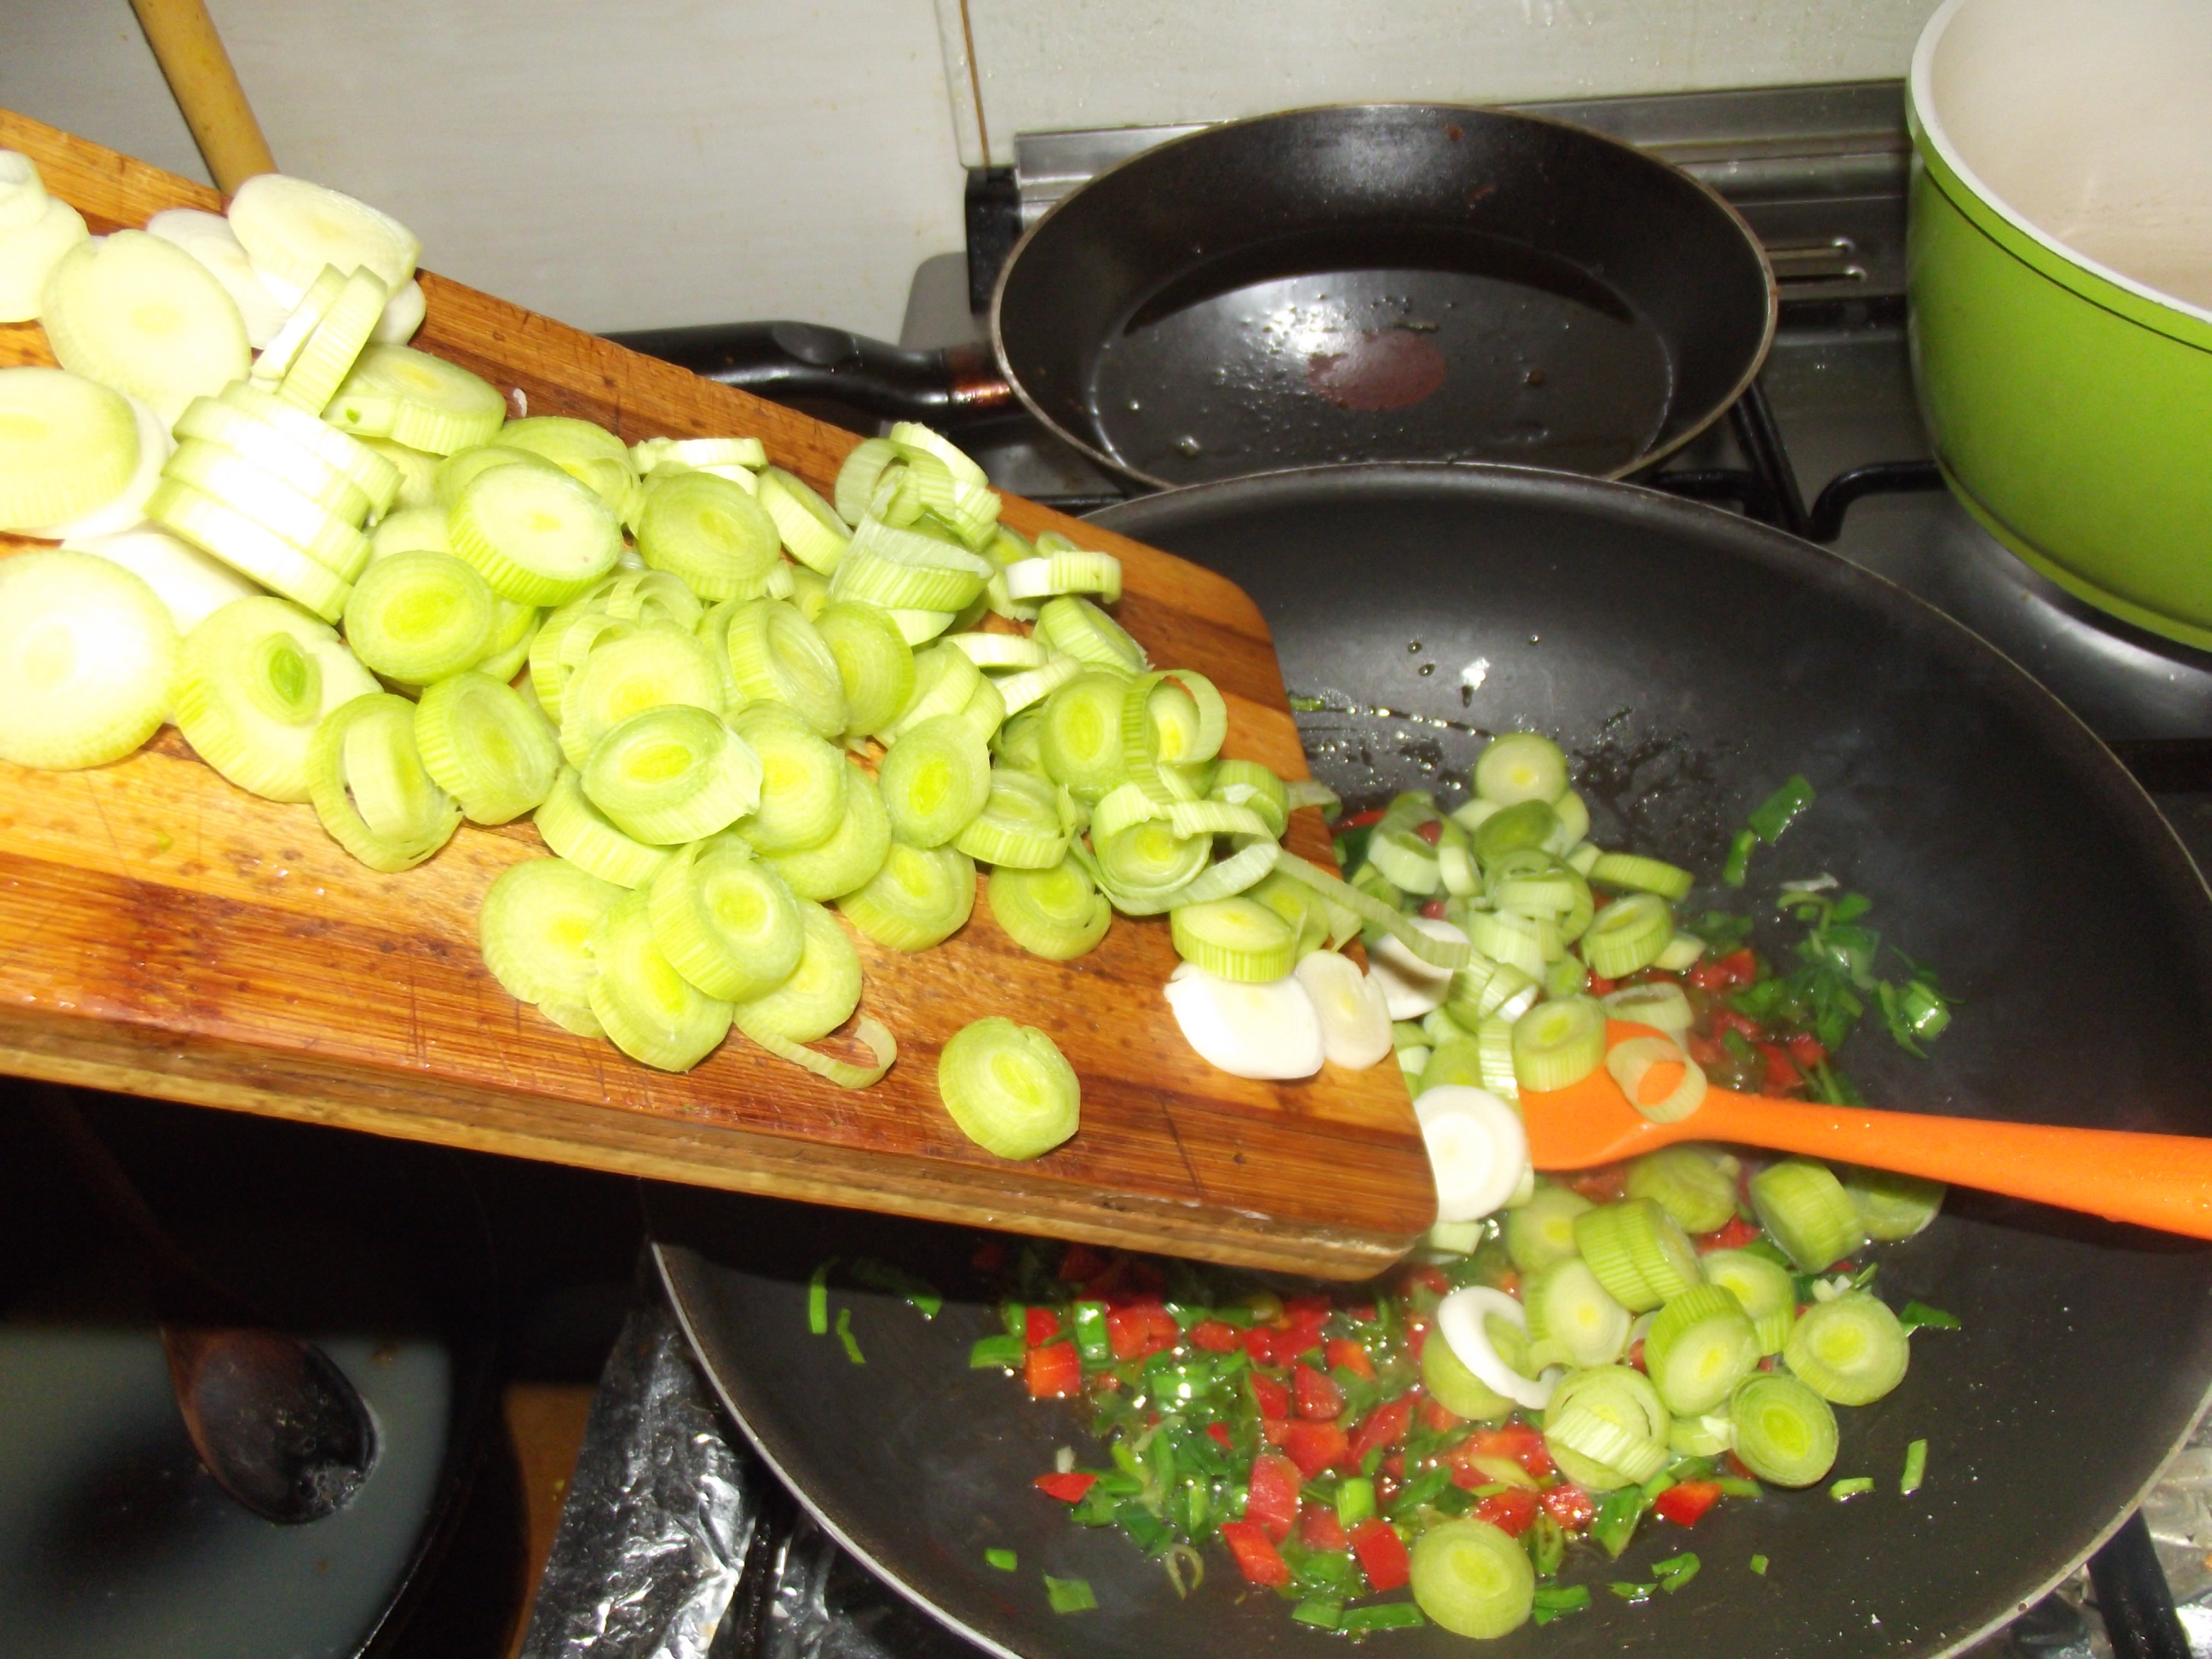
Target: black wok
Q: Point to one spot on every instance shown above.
(1386, 281)
(1688, 661)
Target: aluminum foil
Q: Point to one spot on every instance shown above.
(663, 1507)
(822, 1604)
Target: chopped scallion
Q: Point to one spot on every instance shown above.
(1004, 1560)
(1069, 1595)
(1391, 1615)
(1676, 1570)
(845, 1336)
(1317, 1611)
(1916, 1469)
(1738, 866)
(1759, 1566)
(1842, 1490)
(1555, 1600)
(918, 1293)
(1781, 809)
(1919, 1313)
(996, 1353)
(1633, 1593)
(818, 1298)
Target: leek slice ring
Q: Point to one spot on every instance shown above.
(1632, 1064)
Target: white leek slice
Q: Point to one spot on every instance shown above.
(293, 228)
(29, 254)
(67, 444)
(1478, 1150)
(403, 314)
(1355, 1017)
(126, 509)
(208, 238)
(1411, 988)
(1460, 1321)
(87, 660)
(192, 584)
(142, 315)
(22, 193)
(1266, 1031)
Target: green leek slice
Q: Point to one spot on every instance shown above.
(1080, 629)
(587, 453)
(422, 402)
(921, 897)
(254, 681)
(710, 531)
(484, 744)
(1079, 743)
(936, 779)
(1571, 1317)
(339, 335)
(1521, 766)
(535, 928)
(1559, 1044)
(89, 655)
(1234, 938)
(420, 617)
(628, 668)
(1765, 1288)
(587, 837)
(1850, 1351)
(1057, 914)
(726, 922)
(673, 775)
(1784, 1432)
(1638, 1253)
(1635, 1063)
(1627, 934)
(852, 855)
(944, 682)
(1020, 826)
(1009, 1089)
(367, 781)
(802, 780)
(649, 1010)
(249, 548)
(776, 655)
(1446, 1378)
(1606, 1427)
(1806, 1210)
(1472, 1579)
(1892, 1207)
(819, 994)
(1542, 1230)
(1699, 1348)
(294, 228)
(875, 665)
(1659, 1005)
(809, 526)
(271, 424)
(1688, 1182)
(1668, 881)
(535, 533)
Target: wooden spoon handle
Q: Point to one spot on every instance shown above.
(206, 89)
(2154, 1180)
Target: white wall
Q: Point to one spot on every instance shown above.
(663, 161)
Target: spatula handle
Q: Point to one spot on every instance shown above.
(2154, 1180)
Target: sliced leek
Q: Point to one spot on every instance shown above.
(936, 779)
(802, 780)
(1009, 1089)
(255, 680)
(1806, 1212)
(71, 446)
(535, 533)
(486, 746)
(420, 617)
(1355, 1023)
(919, 898)
(414, 399)
(366, 779)
(819, 994)
(852, 854)
(573, 827)
(140, 314)
(725, 921)
(1696, 1190)
(649, 1010)
(535, 928)
(1850, 1351)
(1559, 1044)
(776, 655)
(673, 775)
(710, 531)
(88, 656)
(875, 665)
(1660, 1081)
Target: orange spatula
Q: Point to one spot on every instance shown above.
(2154, 1180)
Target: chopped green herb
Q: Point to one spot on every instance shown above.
(1676, 1570)
(1069, 1595)
(1614, 1525)
(818, 1298)
(1916, 1469)
(1759, 1566)
(1355, 1502)
(1633, 1594)
(1842, 1490)
(1546, 1540)
(1004, 1560)
(1390, 1615)
(845, 1336)
(1735, 1487)
(1919, 1313)
(1556, 1600)
(1734, 870)
(1322, 1613)
(918, 1293)
(1090, 1338)
(1301, 704)
(996, 1353)
(1781, 809)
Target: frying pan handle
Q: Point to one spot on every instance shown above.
(783, 361)
(2134, 1598)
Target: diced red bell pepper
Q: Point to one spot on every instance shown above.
(1429, 1278)
(1518, 1441)
(1140, 1329)
(1079, 1262)
(1221, 1436)
(1272, 1497)
(1808, 1050)
(1436, 1418)
(1781, 1072)
(1393, 1467)
(1215, 1337)
(1608, 1184)
(1727, 1019)
(1320, 1529)
(1382, 1555)
(1273, 1399)
(1736, 1467)
(1512, 1512)
(1315, 1446)
(1431, 832)
(1434, 910)
(1705, 1051)
(1686, 1504)
(1734, 1236)
(1275, 1430)
(1300, 1338)
(1718, 974)
(1054, 1372)
(1385, 1425)
(1260, 1343)
(1317, 1396)
(1312, 1305)
(1599, 986)
(1570, 1505)
(1352, 1356)
(1040, 1326)
(1068, 1488)
(1361, 820)
(1257, 1558)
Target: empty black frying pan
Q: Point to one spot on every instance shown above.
(1384, 281)
(1689, 661)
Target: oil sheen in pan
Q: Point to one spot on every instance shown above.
(1410, 344)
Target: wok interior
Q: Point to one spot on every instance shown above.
(1690, 661)
(1385, 282)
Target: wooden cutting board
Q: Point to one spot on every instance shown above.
(164, 934)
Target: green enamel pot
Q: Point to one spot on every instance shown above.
(2060, 283)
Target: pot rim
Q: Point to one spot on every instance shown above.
(2098, 282)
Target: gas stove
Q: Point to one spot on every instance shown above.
(1830, 445)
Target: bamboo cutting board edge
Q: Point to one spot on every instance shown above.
(1346, 1146)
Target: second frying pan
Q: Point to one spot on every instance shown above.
(1379, 281)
